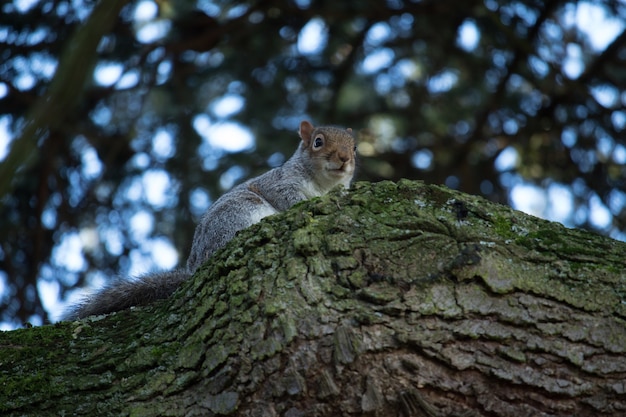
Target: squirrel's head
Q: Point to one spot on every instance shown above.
(332, 152)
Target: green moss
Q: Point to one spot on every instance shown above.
(320, 267)
(358, 279)
(221, 307)
(294, 269)
(306, 241)
(25, 375)
(190, 354)
(338, 243)
(237, 300)
(249, 315)
(238, 282)
(503, 227)
(274, 308)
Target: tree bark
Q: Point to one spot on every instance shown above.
(387, 300)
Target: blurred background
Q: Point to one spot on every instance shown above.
(118, 128)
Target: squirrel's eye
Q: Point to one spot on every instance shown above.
(318, 142)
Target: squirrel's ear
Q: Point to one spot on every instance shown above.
(349, 130)
(306, 130)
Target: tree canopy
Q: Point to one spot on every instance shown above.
(121, 121)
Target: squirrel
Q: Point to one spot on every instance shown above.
(325, 158)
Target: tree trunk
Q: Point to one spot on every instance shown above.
(389, 300)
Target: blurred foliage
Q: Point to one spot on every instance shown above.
(483, 96)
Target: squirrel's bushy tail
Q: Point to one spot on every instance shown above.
(123, 293)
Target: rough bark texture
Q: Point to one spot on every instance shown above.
(388, 300)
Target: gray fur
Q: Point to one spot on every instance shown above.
(125, 293)
(311, 172)
(270, 193)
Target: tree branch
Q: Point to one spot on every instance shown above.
(385, 299)
(64, 93)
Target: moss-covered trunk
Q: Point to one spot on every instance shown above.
(388, 300)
